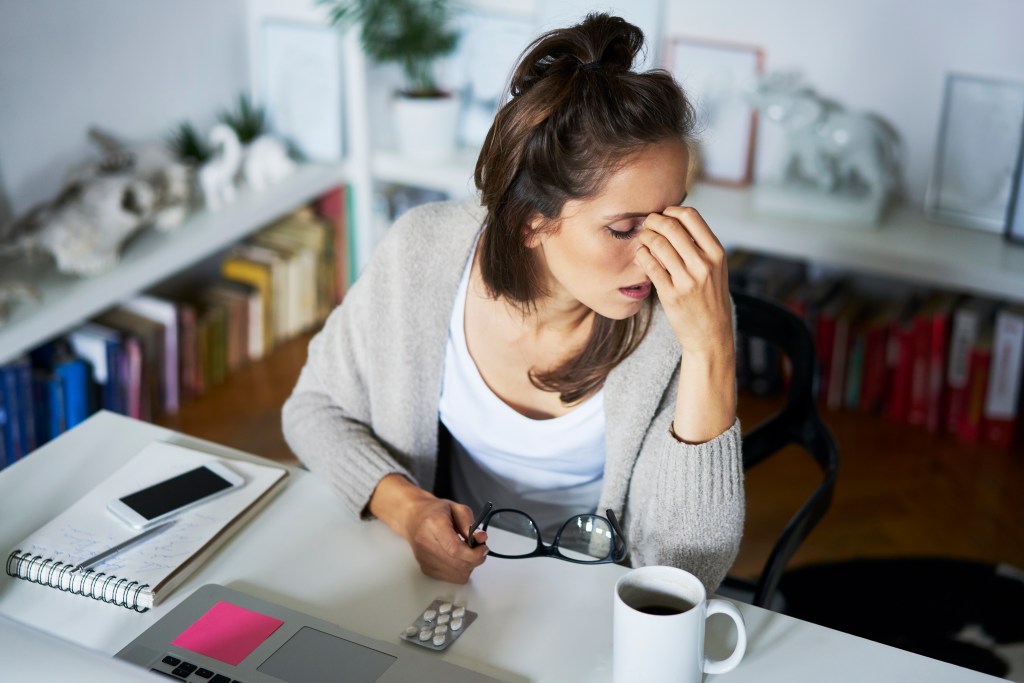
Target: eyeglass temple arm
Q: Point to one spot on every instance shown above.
(618, 533)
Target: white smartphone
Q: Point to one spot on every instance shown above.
(154, 504)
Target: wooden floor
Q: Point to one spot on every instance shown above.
(900, 491)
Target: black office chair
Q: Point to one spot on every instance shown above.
(797, 423)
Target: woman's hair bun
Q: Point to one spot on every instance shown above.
(600, 42)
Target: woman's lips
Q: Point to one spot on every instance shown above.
(638, 292)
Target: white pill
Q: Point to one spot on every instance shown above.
(429, 615)
(459, 612)
(439, 639)
(425, 633)
(444, 618)
(445, 607)
(441, 629)
(456, 623)
(411, 631)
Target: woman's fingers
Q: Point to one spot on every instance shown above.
(697, 229)
(439, 547)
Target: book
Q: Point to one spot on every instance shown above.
(333, 206)
(165, 313)
(149, 336)
(258, 275)
(236, 304)
(931, 333)
(969, 318)
(145, 574)
(100, 346)
(979, 363)
(900, 355)
(1002, 395)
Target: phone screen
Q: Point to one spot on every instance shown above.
(176, 492)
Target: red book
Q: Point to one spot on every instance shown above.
(900, 352)
(876, 374)
(333, 206)
(969, 319)
(928, 360)
(1002, 395)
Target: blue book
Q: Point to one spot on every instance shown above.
(48, 400)
(100, 345)
(3, 428)
(12, 430)
(27, 422)
(75, 381)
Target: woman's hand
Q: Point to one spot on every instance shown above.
(435, 528)
(687, 265)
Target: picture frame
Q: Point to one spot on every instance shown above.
(302, 87)
(976, 154)
(1015, 211)
(716, 75)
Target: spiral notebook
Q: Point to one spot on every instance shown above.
(143, 575)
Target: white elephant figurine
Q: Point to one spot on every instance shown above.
(217, 176)
(828, 146)
(266, 162)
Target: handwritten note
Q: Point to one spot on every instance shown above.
(227, 633)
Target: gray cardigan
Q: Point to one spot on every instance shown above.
(366, 403)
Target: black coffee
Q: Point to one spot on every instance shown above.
(666, 610)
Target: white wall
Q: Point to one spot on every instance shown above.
(137, 68)
(133, 68)
(888, 56)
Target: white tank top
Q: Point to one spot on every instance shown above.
(551, 469)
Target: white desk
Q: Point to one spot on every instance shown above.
(540, 619)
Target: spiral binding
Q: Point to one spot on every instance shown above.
(60, 575)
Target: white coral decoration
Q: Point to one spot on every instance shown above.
(266, 162)
(85, 235)
(217, 176)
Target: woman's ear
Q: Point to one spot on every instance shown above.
(533, 233)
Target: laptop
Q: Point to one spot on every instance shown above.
(42, 656)
(221, 635)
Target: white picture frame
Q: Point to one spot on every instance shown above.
(1015, 212)
(979, 138)
(716, 76)
(302, 87)
(488, 50)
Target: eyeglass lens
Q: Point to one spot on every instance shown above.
(584, 538)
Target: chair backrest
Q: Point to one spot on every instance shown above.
(797, 423)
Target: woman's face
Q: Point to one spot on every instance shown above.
(588, 257)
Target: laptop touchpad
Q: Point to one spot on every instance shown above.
(312, 656)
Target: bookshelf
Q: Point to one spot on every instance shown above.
(150, 257)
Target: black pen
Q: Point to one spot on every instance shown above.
(124, 545)
(479, 520)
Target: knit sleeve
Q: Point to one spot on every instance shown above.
(686, 502)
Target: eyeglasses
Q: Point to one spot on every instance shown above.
(584, 539)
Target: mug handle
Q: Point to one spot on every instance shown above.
(721, 666)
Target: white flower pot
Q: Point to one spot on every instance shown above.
(426, 127)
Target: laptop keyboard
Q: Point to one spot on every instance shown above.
(173, 667)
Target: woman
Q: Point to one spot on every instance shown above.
(525, 325)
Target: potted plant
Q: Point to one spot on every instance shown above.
(413, 34)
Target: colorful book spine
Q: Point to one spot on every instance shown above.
(1002, 397)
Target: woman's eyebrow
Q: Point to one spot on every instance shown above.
(636, 214)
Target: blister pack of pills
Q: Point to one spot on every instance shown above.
(439, 625)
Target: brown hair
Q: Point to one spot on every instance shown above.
(576, 112)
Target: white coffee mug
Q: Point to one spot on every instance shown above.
(659, 620)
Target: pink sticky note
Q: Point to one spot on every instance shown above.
(227, 632)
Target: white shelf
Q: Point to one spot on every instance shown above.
(454, 176)
(906, 245)
(149, 258)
